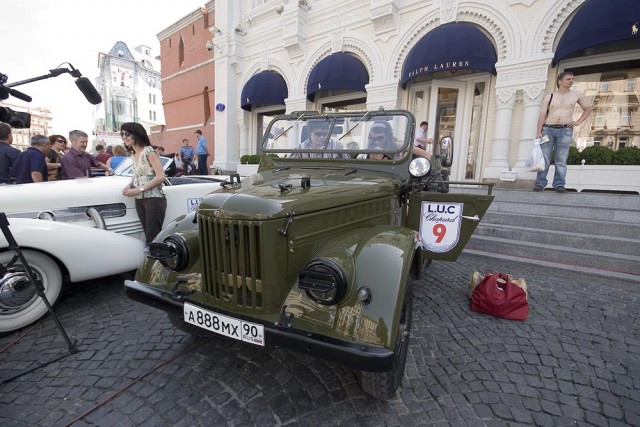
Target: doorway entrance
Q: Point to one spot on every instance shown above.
(455, 108)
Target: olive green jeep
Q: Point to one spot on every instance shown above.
(319, 250)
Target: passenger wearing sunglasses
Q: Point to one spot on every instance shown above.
(319, 139)
(381, 138)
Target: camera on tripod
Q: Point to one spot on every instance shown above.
(16, 119)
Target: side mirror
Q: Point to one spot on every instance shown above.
(446, 151)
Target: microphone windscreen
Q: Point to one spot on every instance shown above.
(88, 90)
(20, 95)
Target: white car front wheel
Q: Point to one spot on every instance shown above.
(20, 304)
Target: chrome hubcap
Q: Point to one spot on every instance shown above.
(16, 292)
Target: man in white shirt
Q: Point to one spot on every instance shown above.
(420, 142)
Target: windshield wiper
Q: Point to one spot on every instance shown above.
(366, 116)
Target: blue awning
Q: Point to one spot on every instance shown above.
(450, 47)
(598, 22)
(339, 71)
(264, 88)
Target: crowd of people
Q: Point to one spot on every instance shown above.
(56, 158)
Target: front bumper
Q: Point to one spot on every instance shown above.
(359, 356)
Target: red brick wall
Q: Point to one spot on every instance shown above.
(183, 95)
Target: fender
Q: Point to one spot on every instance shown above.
(377, 258)
(86, 253)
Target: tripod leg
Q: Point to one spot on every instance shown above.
(39, 288)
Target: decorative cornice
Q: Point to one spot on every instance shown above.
(522, 76)
(448, 11)
(506, 97)
(557, 22)
(533, 93)
(488, 25)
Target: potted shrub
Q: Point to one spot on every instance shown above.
(600, 168)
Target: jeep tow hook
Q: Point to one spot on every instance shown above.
(285, 318)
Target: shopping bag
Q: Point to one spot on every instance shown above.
(536, 161)
(498, 296)
(477, 277)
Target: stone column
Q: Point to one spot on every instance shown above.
(244, 133)
(532, 97)
(227, 68)
(505, 102)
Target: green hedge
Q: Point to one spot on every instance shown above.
(250, 159)
(601, 155)
(627, 156)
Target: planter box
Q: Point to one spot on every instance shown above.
(247, 170)
(601, 177)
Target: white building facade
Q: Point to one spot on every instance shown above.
(475, 70)
(129, 84)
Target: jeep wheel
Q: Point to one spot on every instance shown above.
(20, 304)
(178, 322)
(383, 385)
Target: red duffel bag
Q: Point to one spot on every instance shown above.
(498, 296)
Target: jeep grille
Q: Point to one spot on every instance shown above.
(232, 261)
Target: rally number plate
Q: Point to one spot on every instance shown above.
(224, 325)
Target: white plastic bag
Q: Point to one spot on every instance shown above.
(536, 159)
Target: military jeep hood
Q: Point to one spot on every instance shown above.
(273, 194)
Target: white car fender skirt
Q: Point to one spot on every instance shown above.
(87, 253)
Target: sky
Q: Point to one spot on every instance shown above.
(40, 35)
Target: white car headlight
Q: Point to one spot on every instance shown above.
(419, 167)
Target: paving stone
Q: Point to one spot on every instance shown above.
(576, 359)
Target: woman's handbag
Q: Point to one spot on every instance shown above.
(497, 295)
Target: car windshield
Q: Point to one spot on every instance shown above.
(364, 135)
(125, 168)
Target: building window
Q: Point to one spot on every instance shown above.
(150, 115)
(193, 29)
(150, 102)
(631, 85)
(181, 52)
(626, 118)
(622, 142)
(615, 108)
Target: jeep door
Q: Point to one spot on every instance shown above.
(445, 221)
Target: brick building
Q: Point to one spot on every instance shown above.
(187, 70)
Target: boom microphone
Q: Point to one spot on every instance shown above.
(89, 92)
(17, 94)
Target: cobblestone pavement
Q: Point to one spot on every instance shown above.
(574, 361)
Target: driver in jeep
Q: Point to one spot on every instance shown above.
(319, 139)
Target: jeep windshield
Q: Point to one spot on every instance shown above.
(374, 136)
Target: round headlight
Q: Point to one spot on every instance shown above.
(323, 281)
(419, 167)
(181, 258)
(172, 252)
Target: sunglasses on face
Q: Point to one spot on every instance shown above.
(377, 138)
(319, 133)
(125, 134)
(61, 141)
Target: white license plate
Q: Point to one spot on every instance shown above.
(224, 325)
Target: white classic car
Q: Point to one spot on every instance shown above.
(77, 230)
